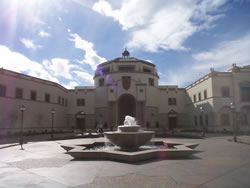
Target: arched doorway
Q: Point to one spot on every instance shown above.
(126, 106)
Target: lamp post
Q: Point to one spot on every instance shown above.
(201, 120)
(52, 123)
(234, 122)
(82, 116)
(22, 109)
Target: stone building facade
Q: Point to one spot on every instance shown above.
(127, 86)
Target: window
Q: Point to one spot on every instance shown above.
(62, 101)
(225, 119)
(151, 81)
(199, 96)
(59, 100)
(101, 82)
(19, 93)
(145, 69)
(126, 68)
(206, 119)
(245, 94)
(105, 70)
(2, 91)
(33, 95)
(66, 102)
(47, 97)
(205, 94)
(201, 120)
(171, 101)
(225, 91)
(195, 121)
(194, 98)
(80, 102)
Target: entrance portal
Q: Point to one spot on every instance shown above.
(126, 106)
(172, 119)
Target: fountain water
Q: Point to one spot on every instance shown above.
(129, 137)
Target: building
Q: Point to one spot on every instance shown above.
(126, 86)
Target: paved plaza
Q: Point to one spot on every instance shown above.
(221, 163)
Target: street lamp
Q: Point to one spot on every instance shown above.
(82, 116)
(22, 109)
(201, 121)
(234, 123)
(52, 123)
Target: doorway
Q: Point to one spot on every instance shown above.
(126, 106)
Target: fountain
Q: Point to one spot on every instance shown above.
(128, 145)
(129, 137)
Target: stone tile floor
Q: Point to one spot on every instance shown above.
(222, 163)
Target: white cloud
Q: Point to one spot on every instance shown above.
(30, 43)
(59, 67)
(225, 54)
(85, 75)
(19, 63)
(44, 34)
(161, 24)
(90, 57)
(71, 85)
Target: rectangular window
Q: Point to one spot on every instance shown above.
(145, 69)
(62, 101)
(101, 82)
(33, 95)
(195, 121)
(171, 101)
(201, 120)
(19, 93)
(225, 119)
(2, 91)
(66, 102)
(206, 119)
(151, 81)
(59, 100)
(225, 92)
(205, 94)
(80, 102)
(47, 97)
(128, 68)
(105, 70)
(245, 94)
(199, 96)
(194, 98)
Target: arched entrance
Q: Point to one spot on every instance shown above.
(126, 106)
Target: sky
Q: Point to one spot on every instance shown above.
(64, 40)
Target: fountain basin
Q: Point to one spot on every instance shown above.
(129, 128)
(129, 141)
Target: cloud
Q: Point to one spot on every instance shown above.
(71, 85)
(221, 57)
(85, 76)
(30, 43)
(19, 63)
(161, 24)
(44, 34)
(59, 67)
(90, 57)
(224, 54)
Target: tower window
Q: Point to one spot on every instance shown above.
(101, 82)
(151, 81)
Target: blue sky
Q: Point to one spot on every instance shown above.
(64, 40)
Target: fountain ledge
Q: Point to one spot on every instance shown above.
(177, 150)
